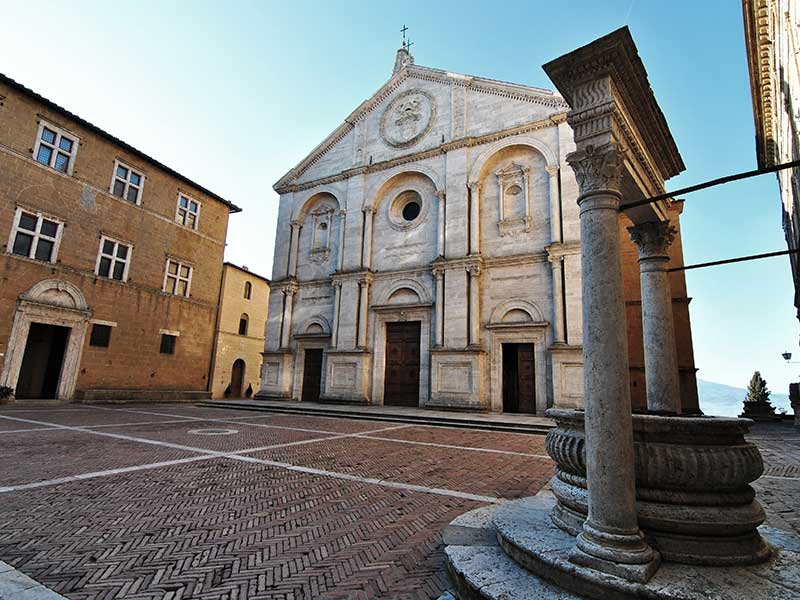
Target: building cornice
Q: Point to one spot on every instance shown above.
(466, 142)
(759, 47)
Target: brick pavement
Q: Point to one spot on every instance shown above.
(349, 517)
(223, 528)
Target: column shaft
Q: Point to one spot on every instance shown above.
(363, 312)
(366, 258)
(337, 291)
(287, 317)
(295, 239)
(441, 224)
(475, 219)
(660, 353)
(557, 264)
(439, 276)
(342, 226)
(556, 234)
(474, 306)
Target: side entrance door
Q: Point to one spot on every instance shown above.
(519, 379)
(312, 375)
(41, 364)
(237, 378)
(401, 382)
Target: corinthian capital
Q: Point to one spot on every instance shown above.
(598, 168)
(653, 239)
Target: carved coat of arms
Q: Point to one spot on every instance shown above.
(407, 119)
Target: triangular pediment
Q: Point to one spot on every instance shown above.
(416, 110)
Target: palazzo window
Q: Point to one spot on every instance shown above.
(168, 343)
(188, 212)
(35, 236)
(113, 259)
(248, 290)
(100, 336)
(127, 183)
(243, 324)
(177, 278)
(55, 148)
(514, 201)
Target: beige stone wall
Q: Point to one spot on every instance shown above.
(230, 345)
(138, 307)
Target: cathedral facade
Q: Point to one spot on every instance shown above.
(428, 254)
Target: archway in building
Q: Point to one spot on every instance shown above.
(237, 378)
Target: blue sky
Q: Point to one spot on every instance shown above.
(234, 94)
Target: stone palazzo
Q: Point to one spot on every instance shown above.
(428, 253)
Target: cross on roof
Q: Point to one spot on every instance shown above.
(407, 43)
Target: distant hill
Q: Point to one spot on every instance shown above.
(726, 401)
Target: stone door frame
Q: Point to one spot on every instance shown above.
(396, 313)
(524, 333)
(303, 343)
(48, 302)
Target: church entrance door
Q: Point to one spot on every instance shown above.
(401, 383)
(312, 375)
(42, 362)
(519, 380)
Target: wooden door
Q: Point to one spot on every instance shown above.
(312, 375)
(519, 379)
(401, 383)
(237, 378)
(526, 378)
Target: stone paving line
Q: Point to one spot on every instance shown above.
(363, 434)
(239, 456)
(15, 585)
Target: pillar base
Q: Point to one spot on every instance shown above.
(634, 565)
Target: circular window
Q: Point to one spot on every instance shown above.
(407, 210)
(411, 211)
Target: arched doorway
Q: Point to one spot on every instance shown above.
(46, 341)
(237, 378)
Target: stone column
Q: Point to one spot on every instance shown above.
(557, 264)
(342, 224)
(366, 257)
(611, 540)
(441, 230)
(295, 240)
(286, 326)
(660, 353)
(337, 300)
(474, 305)
(438, 274)
(556, 234)
(475, 218)
(363, 312)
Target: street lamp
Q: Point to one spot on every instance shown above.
(787, 356)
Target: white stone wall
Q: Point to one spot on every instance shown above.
(452, 141)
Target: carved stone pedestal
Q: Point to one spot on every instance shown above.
(693, 499)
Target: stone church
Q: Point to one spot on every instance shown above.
(428, 254)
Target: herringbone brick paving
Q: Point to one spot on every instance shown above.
(223, 529)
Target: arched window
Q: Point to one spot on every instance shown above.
(243, 324)
(248, 290)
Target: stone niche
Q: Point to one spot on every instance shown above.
(693, 496)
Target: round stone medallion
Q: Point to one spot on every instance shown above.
(213, 431)
(407, 118)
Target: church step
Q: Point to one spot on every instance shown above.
(507, 423)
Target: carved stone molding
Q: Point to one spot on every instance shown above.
(653, 239)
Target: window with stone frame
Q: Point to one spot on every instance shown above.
(113, 259)
(127, 183)
(188, 211)
(177, 278)
(168, 343)
(243, 321)
(55, 148)
(514, 201)
(248, 290)
(100, 336)
(35, 236)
